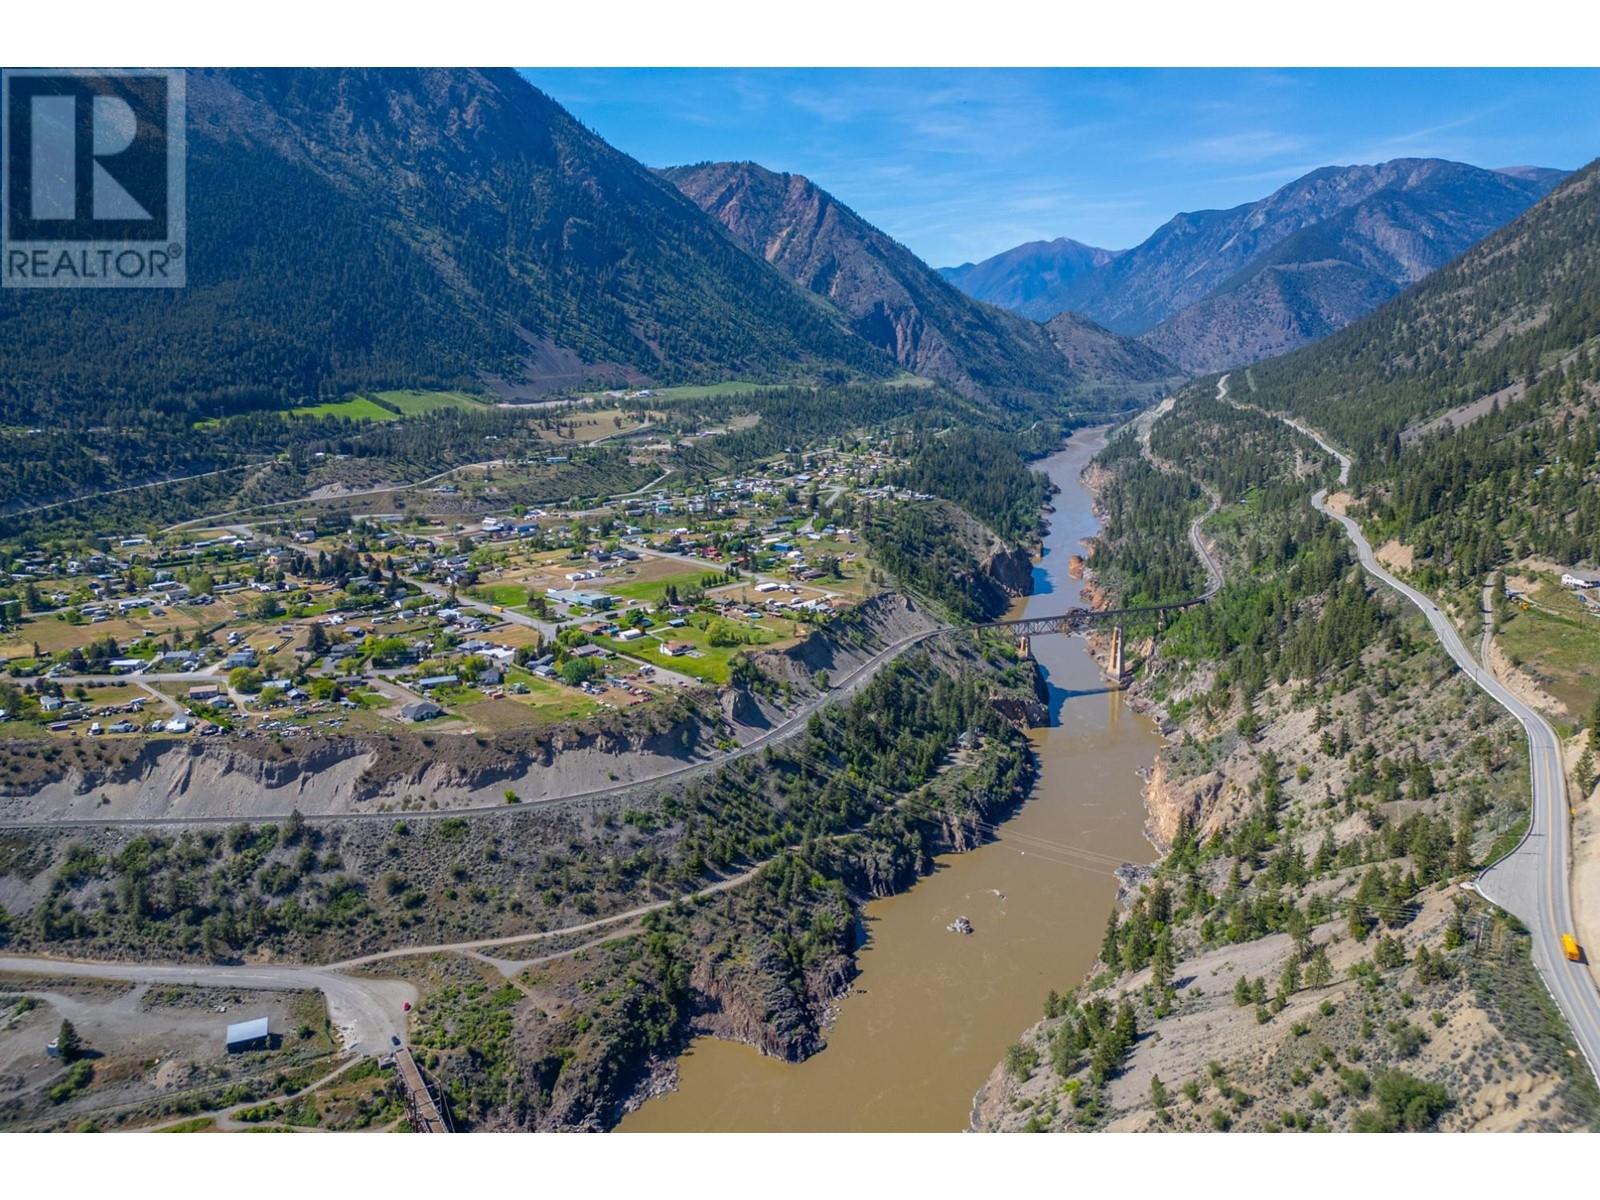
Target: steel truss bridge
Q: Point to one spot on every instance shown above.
(1076, 620)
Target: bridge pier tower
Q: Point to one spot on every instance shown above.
(1116, 666)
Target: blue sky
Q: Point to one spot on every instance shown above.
(960, 164)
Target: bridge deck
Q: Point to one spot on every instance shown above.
(1075, 620)
(426, 1114)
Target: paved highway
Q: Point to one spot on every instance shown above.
(1533, 882)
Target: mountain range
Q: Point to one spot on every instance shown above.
(1516, 315)
(360, 229)
(896, 302)
(363, 229)
(1220, 288)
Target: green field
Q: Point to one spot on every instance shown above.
(357, 408)
(699, 391)
(650, 591)
(393, 406)
(1560, 647)
(712, 664)
(412, 403)
(545, 701)
(507, 595)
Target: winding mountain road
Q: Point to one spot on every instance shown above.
(1143, 426)
(1533, 882)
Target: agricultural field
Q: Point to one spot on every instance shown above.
(545, 703)
(582, 427)
(389, 406)
(649, 584)
(356, 408)
(412, 403)
(701, 391)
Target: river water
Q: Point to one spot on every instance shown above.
(931, 1011)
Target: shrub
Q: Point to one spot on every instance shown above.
(1404, 1103)
(1021, 1060)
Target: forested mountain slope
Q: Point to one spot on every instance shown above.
(367, 228)
(1299, 958)
(1501, 316)
(1471, 401)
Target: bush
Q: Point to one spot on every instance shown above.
(1021, 1060)
(1404, 1103)
(78, 1077)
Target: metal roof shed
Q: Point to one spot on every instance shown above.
(249, 1035)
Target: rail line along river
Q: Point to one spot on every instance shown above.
(932, 1011)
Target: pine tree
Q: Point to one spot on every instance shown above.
(1289, 977)
(1158, 1092)
(1359, 925)
(1108, 945)
(1319, 971)
(1161, 967)
(1461, 848)
(1126, 1028)
(1326, 852)
(68, 1042)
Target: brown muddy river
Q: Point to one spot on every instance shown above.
(931, 1011)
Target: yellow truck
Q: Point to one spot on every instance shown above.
(1570, 947)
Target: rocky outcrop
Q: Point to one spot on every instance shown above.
(1011, 568)
(846, 642)
(761, 1003)
(1169, 803)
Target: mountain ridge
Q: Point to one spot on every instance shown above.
(367, 228)
(1212, 289)
(1515, 311)
(898, 303)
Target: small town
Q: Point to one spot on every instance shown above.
(277, 627)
